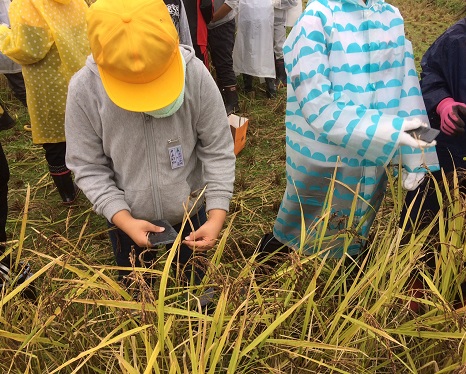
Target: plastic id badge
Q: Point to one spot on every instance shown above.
(176, 156)
(160, 238)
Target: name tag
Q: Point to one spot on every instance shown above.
(176, 156)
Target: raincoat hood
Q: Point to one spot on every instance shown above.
(361, 2)
(62, 1)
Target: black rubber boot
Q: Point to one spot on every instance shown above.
(7, 279)
(247, 83)
(66, 187)
(271, 254)
(230, 99)
(6, 122)
(280, 71)
(270, 88)
(4, 276)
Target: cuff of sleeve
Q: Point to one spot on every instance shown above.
(416, 160)
(217, 203)
(114, 207)
(232, 4)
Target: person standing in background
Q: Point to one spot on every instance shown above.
(48, 38)
(253, 50)
(12, 72)
(25, 272)
(221, 38)
(281, 8)
(443, 85)
(180, 20)
(293, 14)
(4, 178)
(199, 13)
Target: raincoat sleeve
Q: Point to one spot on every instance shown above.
(369, 132)
(411, 105)
(29, 39)
(339, 121)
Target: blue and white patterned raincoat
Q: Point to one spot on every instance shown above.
(351, 84)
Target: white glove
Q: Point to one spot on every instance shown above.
(411, 181)
(406, 139)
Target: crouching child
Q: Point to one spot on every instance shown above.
(147, 130)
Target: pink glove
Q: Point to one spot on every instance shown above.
(450, 112)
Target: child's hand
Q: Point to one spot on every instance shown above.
(136, 229)
(139, 230)
(205, 237)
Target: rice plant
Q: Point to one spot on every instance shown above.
(309, 314)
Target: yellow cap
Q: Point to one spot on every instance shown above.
(136, 48)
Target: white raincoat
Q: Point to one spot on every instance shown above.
(351, 84)
(281, 10)
(253, 50)
(293, 14)
(7, 66)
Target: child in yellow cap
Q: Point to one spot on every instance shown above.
(147, 131)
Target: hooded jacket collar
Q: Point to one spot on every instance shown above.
(369, 4)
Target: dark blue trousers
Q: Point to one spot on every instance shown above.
(429, 208)
(221, 42)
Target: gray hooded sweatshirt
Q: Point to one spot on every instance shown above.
(121, 159)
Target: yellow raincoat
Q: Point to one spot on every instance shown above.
(49, 39)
